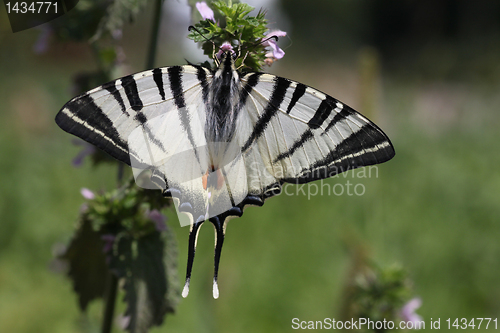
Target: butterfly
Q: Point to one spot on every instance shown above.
(219, 140)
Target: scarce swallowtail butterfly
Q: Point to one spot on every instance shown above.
(218, 140)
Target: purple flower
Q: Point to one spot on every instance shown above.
(408, 312)
(205, 11)
(158, 219)
(275, 51)
(87, 150)
(226, 46)
(87, 194)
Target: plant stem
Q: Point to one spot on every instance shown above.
(111, 279)
(153, 42)
(110, 297)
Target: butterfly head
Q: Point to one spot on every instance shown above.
(225, 60)
(225, 48)
(226, 55)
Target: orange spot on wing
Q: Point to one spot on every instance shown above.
(213, 179)
(204, 180)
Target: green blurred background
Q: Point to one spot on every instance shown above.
(427, 72)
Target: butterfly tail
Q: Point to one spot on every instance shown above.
(193, 237)
(219, 240)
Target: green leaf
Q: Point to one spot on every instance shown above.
(87, 264)
(236, 27)
(148, 267)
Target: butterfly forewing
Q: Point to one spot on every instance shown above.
(107, 115)
(303, 134)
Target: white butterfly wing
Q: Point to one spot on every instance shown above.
(285, 132)
(293, 133)
(151, 120)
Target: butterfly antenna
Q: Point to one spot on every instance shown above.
(262, 41)
(243, 61)
(193, 237)
(276, 38)
(199, 32)
(208, 40)
(239, 53)
(219, 240)
(239, 46)
(250, 46)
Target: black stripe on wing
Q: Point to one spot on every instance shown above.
(299, 91)
(252, 81)
(343, 114)
(305, 137)
(279, 90)
(130, 86)
(201, 74)
(324, 110)
(142, 119)
(175, 78)
(83, 118)
(368, 146)
(111, 87)
(158, 77)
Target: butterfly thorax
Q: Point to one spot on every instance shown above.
(223, 105)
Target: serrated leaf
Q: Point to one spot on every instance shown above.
(254, 21)
(147, 277)
(87, 264)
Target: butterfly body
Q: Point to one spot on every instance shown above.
(222, 105)
(220, 140)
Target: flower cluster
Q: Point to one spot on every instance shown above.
(129, 208)
(382, 293)
(246, 36)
